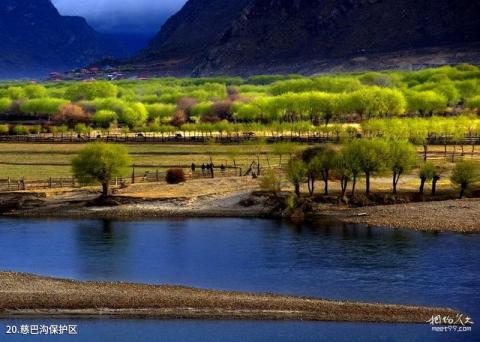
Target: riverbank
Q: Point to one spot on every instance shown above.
(31, 295)
(232, 197)
(461, 216)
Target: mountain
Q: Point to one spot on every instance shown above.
(35, 38)
(186, 36)
(255, 36)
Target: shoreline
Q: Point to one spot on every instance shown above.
(27, 295)
(234, 198)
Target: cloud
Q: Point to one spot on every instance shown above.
(121, 15)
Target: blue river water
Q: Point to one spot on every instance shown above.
(329, 260)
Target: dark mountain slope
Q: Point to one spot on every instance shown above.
(241, 37)
(34, 37)
(193, 30)
(285, 31)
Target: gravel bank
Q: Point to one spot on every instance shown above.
(30, 295)
(461, 216)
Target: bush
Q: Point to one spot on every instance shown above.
(4, 129)
(175, 176)
(270, 182)
(20, 130)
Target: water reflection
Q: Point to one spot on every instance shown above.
(102, 248)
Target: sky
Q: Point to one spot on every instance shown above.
(121, 16)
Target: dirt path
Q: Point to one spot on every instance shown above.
(30, 295)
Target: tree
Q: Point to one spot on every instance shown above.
(372, 157)
(281, 149)
(35, 91)
(296, 173)
(5, 104)
(70, 115)
(342, 170)
(351, 163)
(426, 102)
(100, 163)
(464, 175)
(426, 172)
(91, 90)
(103, 118)
(322, 162)
(135, 115)
(402, 158)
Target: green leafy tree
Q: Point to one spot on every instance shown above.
(296, 173)
(104, 118)
(464, 175)
(372, 157)
(425, 173)
(426, 103)
(100, 163)
(343, 171)
(402, 158)
(5, 105)
(351, 163)
(321, 165)
(4, 129)
(35, 91)
(91, 90)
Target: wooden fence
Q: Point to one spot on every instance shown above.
(180, 139)
(23, 184)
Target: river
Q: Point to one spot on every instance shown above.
(330, 260)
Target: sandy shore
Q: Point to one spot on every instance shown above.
(30, 295)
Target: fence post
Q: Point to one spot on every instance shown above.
(61, 182)
(157, 176)
(116, 181)
(9, 181)
(133, 174)
(50, 182)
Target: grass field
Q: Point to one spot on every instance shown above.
(40, 161)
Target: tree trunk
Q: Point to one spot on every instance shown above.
(367, 183)
(434, 185)
(311, 185)
(422, 185)
(462, 190)
(394, 183)
(325, 180)
(425, 152)
(297, 189)
(354, 184)
(105, 189)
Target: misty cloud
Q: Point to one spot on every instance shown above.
(121, 15)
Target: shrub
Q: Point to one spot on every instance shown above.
(4, 129)
(20, 130)
(175, 176)
(270, 182)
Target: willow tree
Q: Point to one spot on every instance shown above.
(100, 163)
(401, 159)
